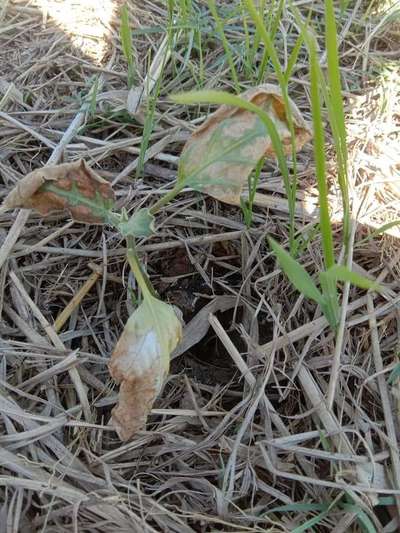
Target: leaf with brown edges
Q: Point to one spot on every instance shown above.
(140, 362)
(220, 155)
(72, 187)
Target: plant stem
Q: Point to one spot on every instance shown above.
(331, 309)
(140, 276)
(167, 197)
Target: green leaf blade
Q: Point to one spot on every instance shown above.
(126, 44)
(296, 273)
(140, 224)
(394, 375)
(342, 273)
(334, 102)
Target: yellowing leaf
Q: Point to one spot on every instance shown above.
(140, 362)
(71, 186)
(220, 155)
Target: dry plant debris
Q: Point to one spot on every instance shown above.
(241, 427)
(73, 187)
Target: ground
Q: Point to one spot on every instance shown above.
(242, 426)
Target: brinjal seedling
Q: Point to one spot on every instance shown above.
(217, 160)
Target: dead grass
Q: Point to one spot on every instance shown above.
(243, 425)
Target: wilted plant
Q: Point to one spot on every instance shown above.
(140, 360)
(217, 160)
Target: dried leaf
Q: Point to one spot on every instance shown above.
(140, 362)
(71, 186)
(220, 155)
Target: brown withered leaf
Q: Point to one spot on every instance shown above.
(140, 362)
(220, 155)
(72, 187)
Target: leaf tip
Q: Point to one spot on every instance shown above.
(140, 363)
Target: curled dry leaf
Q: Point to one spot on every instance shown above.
(220, 155)
(71, 186)
(140, 362)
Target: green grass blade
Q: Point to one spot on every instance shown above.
(362, 517)
(332, 96)
(266, 38)
(149, 121)
(319, 148)
(319, 153)
(310, 523)
(184, 10)
(247, 205)
(293, 58)
(297, 274)
(220, 28)
(272, 32)
(148, 125)
(342, 273)
(394, 376)
(386, 500)
(333, 67)
(365, 521)
(248, 62)
(378, 231)
(199, 46)
(336, 112)
(257, 37)
(331, 308)
(126, 43)
(147, 131)
(253, 182)
(299, 508)
(290, 184)
(170, 8)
